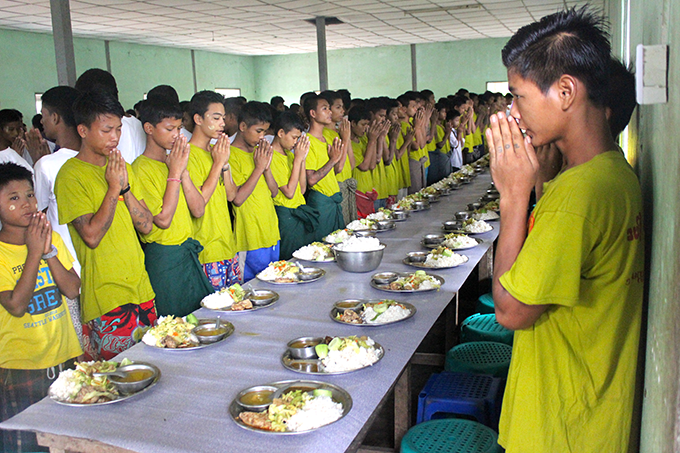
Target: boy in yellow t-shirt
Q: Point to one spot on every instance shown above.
(256, 225)
(98, 197)
(210, 172)
(297, 220)
(364, 146)
(324, 194)
(171, 255)
(37, 338)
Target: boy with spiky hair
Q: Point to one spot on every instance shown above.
(256, 225)
(98, 197)
(210, 172)
(171, 253)
(324, 194)
(570, 280)
(37, 338)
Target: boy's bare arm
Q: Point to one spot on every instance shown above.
(195, 200)
(177, 164)
(67, 281)
(220, 155)
(262, 157)
(297, 174)
(334, 155)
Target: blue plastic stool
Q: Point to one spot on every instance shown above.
(475, 395)
(484, 328)
(450, 436)
(485, 304)
(482, 357)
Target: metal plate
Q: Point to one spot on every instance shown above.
(328, 260)
(339, 395)
(227, 324)
(404, 274)
(434, 246)
(323, 272)
(314, 365)
(122, 397)
(255, 307)
(335, 311)
(422, 265)
(468, 232)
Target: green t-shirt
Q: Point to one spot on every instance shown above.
(44, 336)
(113, 273)
(282, 169)
(256, 224)
(364, 177)
(572, 377)
(152, 177)
(346, 173)
(213, 230)
(317, 158)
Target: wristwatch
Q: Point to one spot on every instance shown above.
(51, 254)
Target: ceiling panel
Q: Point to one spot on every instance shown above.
(265, 27)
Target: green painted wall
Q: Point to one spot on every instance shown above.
(218, 70)
(445, 67)
(285, 75)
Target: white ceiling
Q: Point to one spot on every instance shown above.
(270, 27)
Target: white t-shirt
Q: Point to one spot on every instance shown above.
(9, 155)
(46, 171)
(456, 150)
(132, 141)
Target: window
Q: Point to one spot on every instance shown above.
(38, 102)
(229, 92)
(497, 87)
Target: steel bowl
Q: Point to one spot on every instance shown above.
(348, 304)
(385, 278)
(421, 204)
(455, 184)
(262, 297)
(384, 224)
(303, 347)
(432, 198)
(140, 375)
(451, 225)
(256, 398)
(433, 239)
(462, 215)
(359, 261)
(365, 233)
(310, 273)
(400, 215)
(473, 206)
(206, 333)
(417, 257)
(465, 179)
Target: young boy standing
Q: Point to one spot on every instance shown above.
(256, 224)
(364, 151)
(297, 220)
(570, 281)
(171, 255)
(211, 174)
(98, 198)
(325, 193)
(11, 129)
(37, 338)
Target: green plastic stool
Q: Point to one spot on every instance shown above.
(450, 435)
(484, 328)
(485, 304)
(481, 357)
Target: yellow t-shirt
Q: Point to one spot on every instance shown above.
(44, 336)
(317, 158)
(113, 273)
(392, 173)
(213, 230)
(364, 177)
(282, 169)
(152, 176)
(405, 178)
(439, 137)
(256, 224)
(346, 173)
(572, 377)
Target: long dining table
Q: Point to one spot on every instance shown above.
(187, 411)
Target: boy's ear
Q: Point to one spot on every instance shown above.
(568, 89)
(242, 126)
(280, 133)
(82, 130)
(148, 128)
(198, 119)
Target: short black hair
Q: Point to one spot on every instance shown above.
(36, 121)
(452, 114)
(202, 100)
(60, 100)
(90, 105)
(621, 99)
(9, 116)
(426, 94)
(358, 113)
(330, 96)
(164, 91)
(346, 98)
(310, 102)
(9, 171)
(233, 105)
(405, 98)
(96, 79)
(287, 121)
(157, 109)
(573, 41)
(276, 100)
(255, 112)
(373, 105)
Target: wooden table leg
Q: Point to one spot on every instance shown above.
(67, 444)
(402, 406)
